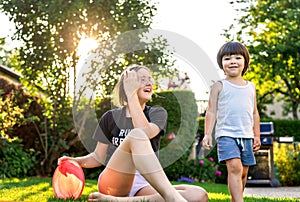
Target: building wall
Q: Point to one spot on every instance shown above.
(275, 111)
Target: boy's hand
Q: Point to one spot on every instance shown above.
(207, 142)
(256, 144)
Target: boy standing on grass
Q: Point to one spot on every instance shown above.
(232, 102)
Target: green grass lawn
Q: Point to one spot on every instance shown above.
(40, 190)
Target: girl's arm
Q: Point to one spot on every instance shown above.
(92, 160)
(211, 114)
(139, 119)
(131, 86)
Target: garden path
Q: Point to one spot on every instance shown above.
(275, 192)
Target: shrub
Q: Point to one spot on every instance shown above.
(203, 170)
(20, 118)
(287, 161)
(14, 162)
(10, 113)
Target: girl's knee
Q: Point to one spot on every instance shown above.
(199, 194)
(192, 192)
(138, 134)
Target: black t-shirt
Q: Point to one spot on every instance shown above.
(114, 126)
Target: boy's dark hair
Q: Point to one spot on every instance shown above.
(234, 48)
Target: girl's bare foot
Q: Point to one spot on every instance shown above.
(97, 196)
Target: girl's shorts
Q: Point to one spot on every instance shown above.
(139, 182)
(229, 148)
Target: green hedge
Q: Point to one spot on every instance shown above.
(181, 107)
(282, 127)
(182, 120)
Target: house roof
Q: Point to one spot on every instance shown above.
(9, 72)
(13, 76)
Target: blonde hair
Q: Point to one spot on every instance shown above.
(119, 95)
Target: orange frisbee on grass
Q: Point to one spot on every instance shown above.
(68, 180)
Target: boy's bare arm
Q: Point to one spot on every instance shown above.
(256, 127)
(211, 114)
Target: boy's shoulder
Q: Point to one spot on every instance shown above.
(251, 84)
(218, 85)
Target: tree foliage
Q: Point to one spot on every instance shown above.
(271, 31)
(50, 33)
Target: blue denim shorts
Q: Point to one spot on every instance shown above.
(229, 148)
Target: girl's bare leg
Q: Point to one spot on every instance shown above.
(136, 153)
(189, 192)
(108, 198)
(192, 193)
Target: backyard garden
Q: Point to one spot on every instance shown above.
(45, 108)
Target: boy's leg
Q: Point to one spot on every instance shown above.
(244, 176)
(235, 184)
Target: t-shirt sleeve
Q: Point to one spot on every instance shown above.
(158, 116)
(102, 132)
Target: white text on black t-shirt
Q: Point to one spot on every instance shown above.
(119, 139)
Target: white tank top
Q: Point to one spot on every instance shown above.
(235, 110)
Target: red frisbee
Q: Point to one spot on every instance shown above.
(68, 180)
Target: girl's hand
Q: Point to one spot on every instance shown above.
(63, 158)
(131, 83)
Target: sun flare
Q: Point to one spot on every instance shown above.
(86, 45)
